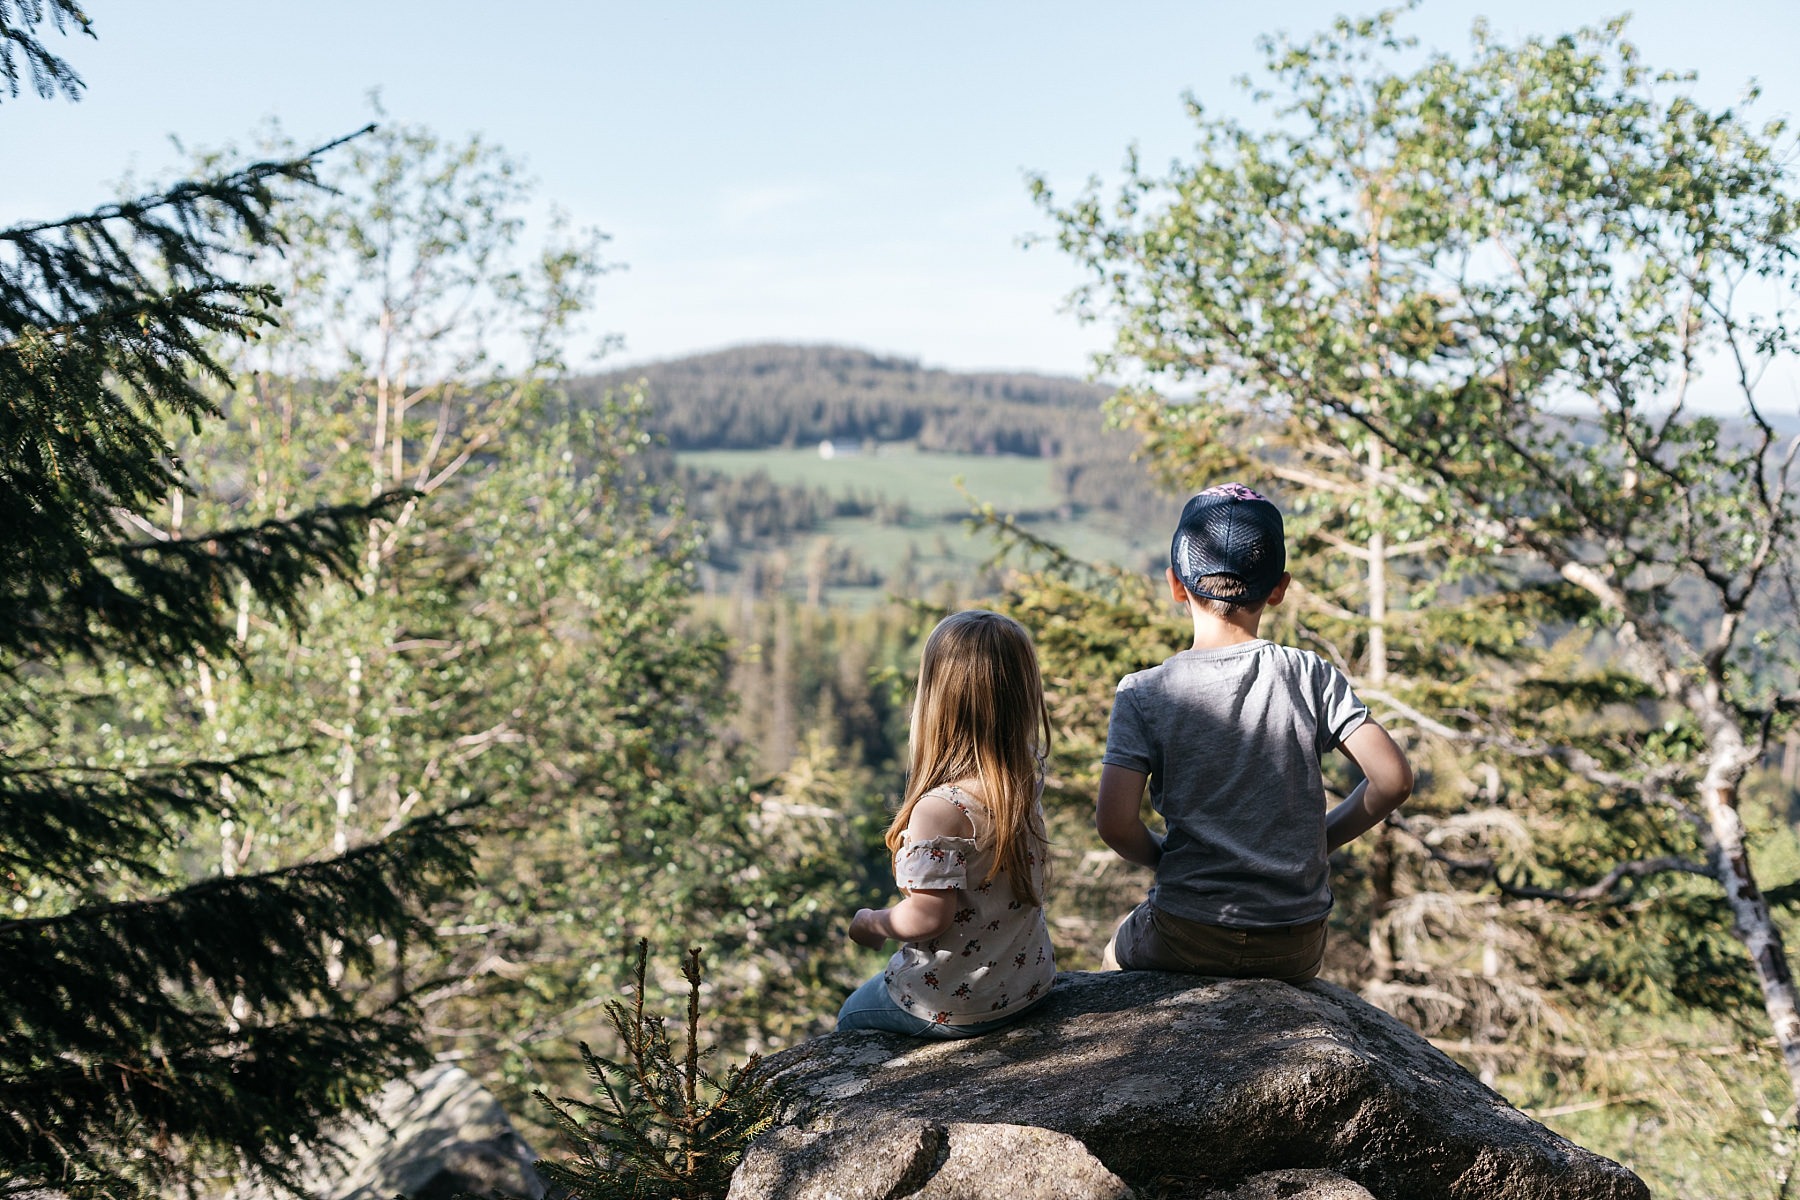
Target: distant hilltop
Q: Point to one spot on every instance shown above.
(753, 397)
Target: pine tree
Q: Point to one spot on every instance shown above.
(154, 1031)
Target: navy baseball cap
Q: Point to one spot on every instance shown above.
(1230, 530)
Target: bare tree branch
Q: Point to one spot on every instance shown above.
(1605, 889)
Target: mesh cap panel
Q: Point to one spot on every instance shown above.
(1230, 530)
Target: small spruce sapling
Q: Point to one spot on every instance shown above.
(663, 1129)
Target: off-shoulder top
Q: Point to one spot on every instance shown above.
(995, 958)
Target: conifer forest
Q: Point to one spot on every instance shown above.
(375, 673)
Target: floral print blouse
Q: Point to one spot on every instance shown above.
(995, 958)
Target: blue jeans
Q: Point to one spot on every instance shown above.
(870, 1007)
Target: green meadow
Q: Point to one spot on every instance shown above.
(939, 492)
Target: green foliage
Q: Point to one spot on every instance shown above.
(116, 307)
(130, 993)
(1523, 353)
(1481, 290)
(819, 721)
(664, 1127)
(1689, 1102)
(755, 397)
(517, 628)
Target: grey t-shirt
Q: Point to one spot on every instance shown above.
(1231, 739)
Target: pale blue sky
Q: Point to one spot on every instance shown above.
(842, 172)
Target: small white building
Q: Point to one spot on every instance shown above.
(829, 449)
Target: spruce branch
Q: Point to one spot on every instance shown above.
(105, 969)
(64, 820)
(1608, 886)
(149, 1041)
(21, 49)
(1651, 785)
(153, 601)
(192, 1023)
(186, 222)
(213, 1082)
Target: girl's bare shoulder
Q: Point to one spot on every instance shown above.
(938, 815)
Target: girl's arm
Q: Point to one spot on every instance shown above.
(918, 918)
(1387, 782)
(1116, 816)
(924, 914)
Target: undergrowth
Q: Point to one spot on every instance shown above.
(661, 1127)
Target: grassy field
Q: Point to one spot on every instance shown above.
(933, 546)
(927, 481)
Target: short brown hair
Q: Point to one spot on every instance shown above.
(1223, 585)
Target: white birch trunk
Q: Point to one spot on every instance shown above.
(1752, 920)
(1728, 757)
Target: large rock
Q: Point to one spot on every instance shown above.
(1159, 1085)
(437, 1136)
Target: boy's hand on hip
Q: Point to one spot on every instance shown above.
(864, 930)
(1387, 782)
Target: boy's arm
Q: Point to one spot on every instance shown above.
(924, 913)
(1387, 782)
(1117, 820)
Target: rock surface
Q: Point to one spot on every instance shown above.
(1297, 1185)
(440, 1134)
(923, 1160)
(1149, 1084)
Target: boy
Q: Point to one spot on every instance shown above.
(1229, 735)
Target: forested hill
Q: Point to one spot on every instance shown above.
(752, 397)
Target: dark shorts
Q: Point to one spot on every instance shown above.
(1152, 940)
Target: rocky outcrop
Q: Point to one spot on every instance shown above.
(1147, 1084)
(438, 1135)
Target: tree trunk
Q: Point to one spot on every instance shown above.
(783, 734)
(1381, 898)
(1378, 556)
(1752, 919)
(1728, 758)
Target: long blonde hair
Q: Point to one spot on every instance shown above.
(980, 714)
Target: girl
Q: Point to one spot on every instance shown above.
(968, 844)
